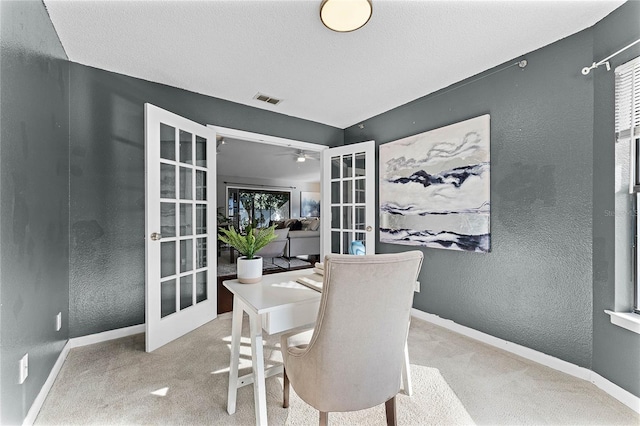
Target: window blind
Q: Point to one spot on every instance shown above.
(628, 100)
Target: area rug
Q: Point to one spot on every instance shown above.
(432, 403)
(225, 268)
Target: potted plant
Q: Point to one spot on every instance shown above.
(249, 265)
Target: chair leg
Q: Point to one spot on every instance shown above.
(324, 418)
(390, 408)
(285, 390)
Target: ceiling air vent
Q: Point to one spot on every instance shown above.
(267, 99)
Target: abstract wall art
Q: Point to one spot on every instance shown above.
(434, 188)
(309, 204)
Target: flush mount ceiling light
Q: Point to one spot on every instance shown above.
(345, 15)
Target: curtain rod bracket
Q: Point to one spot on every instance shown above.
(605, 61)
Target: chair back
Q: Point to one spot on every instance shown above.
(357, 347)
(277, 247)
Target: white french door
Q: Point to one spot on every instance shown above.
(348, 192)
(180, 240)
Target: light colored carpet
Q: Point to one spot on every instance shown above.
(432, 403)
(456, 381)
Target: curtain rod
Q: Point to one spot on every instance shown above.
(605, 61)
(521, 64)
(262, 186)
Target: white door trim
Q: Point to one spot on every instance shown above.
(266, 139)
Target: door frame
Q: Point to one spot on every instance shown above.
(266, 139)
(227, 132)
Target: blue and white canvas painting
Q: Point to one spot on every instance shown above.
(434, 188)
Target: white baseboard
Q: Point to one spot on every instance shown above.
(44, 391)
(622, 395)
(76, 342)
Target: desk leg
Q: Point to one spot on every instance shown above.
(406, 372)
(257, 360)
(236, 334)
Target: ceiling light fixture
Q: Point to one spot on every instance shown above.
(345, 15)
(301, 158)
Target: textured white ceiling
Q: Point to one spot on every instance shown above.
(233, 49)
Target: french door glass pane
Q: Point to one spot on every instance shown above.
(335, 242)
(347, 167)
(186, 291)
(335, 168)
(335, 192)
(335, 216)
(167, 181)
(359, 164)
(347, 193)
(201, 151)
(167, 142)
(201, 219)
(201, 286)
(186, 219)
(346, 239)
(185, 147)
(186, 183)
(201, 185)
(360, 217)
(347, 215)
(167, 298)
(168, 219)
(360, 191)
(201, 253)
(167, 258)
(186, 255)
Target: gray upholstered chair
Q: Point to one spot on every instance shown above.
(355, 354)
(275, 248)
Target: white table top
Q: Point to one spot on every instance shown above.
(274, 291)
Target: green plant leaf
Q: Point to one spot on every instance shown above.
(247, 245)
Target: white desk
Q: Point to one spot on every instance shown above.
(275, 304)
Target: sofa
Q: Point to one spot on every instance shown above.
(304, 236)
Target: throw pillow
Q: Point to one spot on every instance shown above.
(314, 225)
(278, 223)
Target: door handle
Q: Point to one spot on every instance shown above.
(369, 228)
(155, 236)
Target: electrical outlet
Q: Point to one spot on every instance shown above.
(24, 369)
(59, 321)
(417, 287)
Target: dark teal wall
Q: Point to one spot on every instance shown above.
(549, 274)
(107, 184)
(541, 149)
(616, 351)
(72, 179)
(34, 201)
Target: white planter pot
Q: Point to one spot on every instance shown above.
(249, 270)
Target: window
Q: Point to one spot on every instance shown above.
(257, 207)
(627, 120)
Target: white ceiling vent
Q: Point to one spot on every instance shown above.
(267, 99)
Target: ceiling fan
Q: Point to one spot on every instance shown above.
(301, 156)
